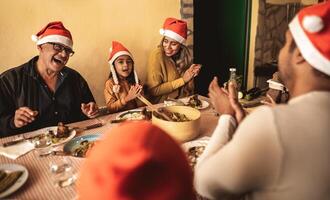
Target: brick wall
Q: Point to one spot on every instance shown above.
(187, 14)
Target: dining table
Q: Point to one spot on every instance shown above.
(40, 184)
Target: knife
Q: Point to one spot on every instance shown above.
(88, 127)
(118, 120)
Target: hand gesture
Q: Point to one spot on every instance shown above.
(226, 102)
(133, 92)
(219, 98)
(271, 102)
(191, 72)
(90, 109)
(24, 116)
(233, 98)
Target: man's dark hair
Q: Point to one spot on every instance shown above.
(316, 72)
(293, 45)
(320, 74)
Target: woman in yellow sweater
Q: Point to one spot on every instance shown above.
(122, 87)
(170, 70)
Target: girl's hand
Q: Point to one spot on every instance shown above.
(133, 92)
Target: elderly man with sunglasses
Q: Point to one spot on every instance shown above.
(43, 91)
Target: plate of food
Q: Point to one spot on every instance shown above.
(12, 177)
(79, 146)
(194, 149)
(136, 114)
(195, 102)
(53, 136)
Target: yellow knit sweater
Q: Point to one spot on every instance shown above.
(164, 80)
(115, 101)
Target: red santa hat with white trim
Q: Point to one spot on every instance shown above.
(116, 50)
(311, 31)
(175, 29)
(54, 32)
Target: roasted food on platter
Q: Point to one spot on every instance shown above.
(194, 101)
(62, 130)
(62, 133)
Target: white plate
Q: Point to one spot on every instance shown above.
(19, 182)
(195, 143)
(71, 146)
(193, 158)
(54, 129)
(131, 115)
(204, 105)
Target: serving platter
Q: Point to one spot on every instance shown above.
(135, 114)
(194, 149)
(73, 146)
(40, 139)
(204, 105)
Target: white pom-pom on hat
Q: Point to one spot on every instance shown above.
(34, 38)
(313, 23)
(162, 31)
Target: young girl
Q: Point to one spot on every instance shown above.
(122, 87)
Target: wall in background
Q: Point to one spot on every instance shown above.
(221, 35)
(253, 32)
(93, 24)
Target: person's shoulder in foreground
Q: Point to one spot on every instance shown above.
(272, 152)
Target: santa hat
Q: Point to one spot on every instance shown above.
(136, 160)
(175, 29)
(311, 31)
(116, 50)
(54, 32)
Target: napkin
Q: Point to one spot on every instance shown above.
(17, 150)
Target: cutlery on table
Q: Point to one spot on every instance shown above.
(87, 127)
(153, 108)
(13, 142)
(22, 139)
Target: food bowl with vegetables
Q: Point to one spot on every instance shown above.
(184, 123)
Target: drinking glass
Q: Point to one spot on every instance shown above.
(62, 172)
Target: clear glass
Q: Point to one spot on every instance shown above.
(62, 172)
(42, 141)
(60, 165)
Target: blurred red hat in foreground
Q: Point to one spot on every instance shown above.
(136, 160)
